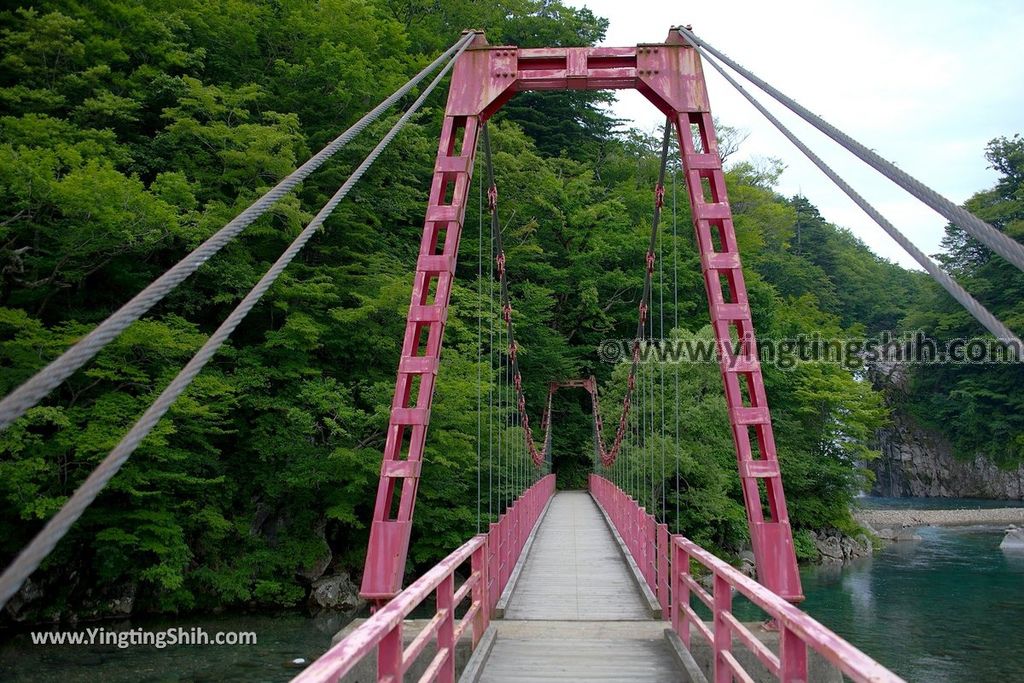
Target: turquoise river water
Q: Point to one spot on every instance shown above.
(949, 608)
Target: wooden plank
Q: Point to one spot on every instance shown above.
(575, 570)
(631, 566)
(513, 580)
(540, 660)
(576, 613)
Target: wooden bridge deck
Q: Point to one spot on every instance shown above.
(576, 613)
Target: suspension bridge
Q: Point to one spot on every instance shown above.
(562, 585)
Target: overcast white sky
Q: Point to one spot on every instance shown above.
(925, 84)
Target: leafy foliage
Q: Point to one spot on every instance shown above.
(131, 131)
(979, 407)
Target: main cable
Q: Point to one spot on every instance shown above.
(1009, 249)
(661, 360)
(15, 404)
(972, 305)
(479, 347)
(45, 541)
(608, 455)
(506, 309)
(675, 328)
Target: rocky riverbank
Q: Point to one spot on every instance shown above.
(897, 519)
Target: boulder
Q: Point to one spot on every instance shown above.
(334, 592)
(830, 549)
(1014, 539)
(17, 606)
(747, 568)
(834, 546)
(122, 602)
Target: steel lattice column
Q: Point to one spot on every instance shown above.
(421, 351)
(770, 533)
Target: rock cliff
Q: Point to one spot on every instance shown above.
(917, 461)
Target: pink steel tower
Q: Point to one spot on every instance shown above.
(668, 74)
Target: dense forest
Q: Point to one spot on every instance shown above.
(132, 130)
(978, 407)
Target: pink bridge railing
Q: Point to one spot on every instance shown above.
(664, 561)
(491, 558)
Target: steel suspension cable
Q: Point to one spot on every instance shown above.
(505, 416)
(521, 457)
(499, 417)
(608, 455)
(972, 305)
(661, 364)
(43, 382)
(648, 422)
(653, 349)
(514, 445)
(490, 389)
(506, 308)
(651, 422)
(55, 529)
(675, 327)
(630, 447)
(642, 470)
(642, 423)
(523, 470)
(634, 449)
(479, 350)
(1008, 248)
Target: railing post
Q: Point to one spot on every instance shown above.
(632, 511)
(622, 517)
(480, 592)
(723, 635)
(524, 523)
(506, 549)
(663, 584)
(493, 566)
(389, 655)
(651, 553)
(680, 592)
(513, 533)
(637, 513)
(446, 630)
(626, 515)
(793, 657)
(645, 547)
(640, 553)
(517, 516)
